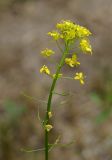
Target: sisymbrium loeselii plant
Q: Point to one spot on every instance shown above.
(70, 34)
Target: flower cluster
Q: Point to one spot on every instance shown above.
(72, 61)
(47, 52)
(69, 32)
(85, 46)
(45, 70)
(55, 35)
(80, 77)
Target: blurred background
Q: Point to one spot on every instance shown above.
(84, 117)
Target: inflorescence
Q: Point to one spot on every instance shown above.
(69, 32)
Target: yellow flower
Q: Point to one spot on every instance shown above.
(85, 46)
(79, 76)
(65, 25)
(82, 31)
(47, 52)
(49, 114)
(48, 127)
(56, 35)
(67, 29)
(45, 70)
(59, 75)
(69, 62)
(72, 61)
(70, 31)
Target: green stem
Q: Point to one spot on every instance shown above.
(50, 99)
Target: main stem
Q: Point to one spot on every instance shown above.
(65, 52)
